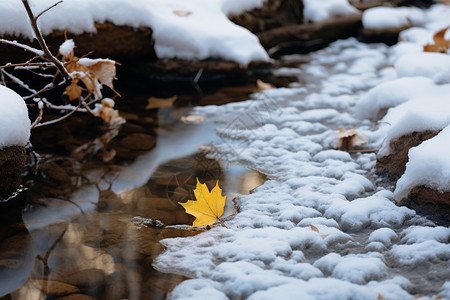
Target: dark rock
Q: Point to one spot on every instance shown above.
(12, 161)
(88, 279)
(434, 204)
(110, 41)
(394, 164)
(76, 297)
(56, 288)
(305, 34)
(273, 14)
(139, 141)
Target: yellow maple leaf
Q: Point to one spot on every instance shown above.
(209, 205)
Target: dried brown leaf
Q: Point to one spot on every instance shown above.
(192, 119)
(440, 43)
(182, 13)
(349, 138)
(314, 228)
(261, 85)
(73, 91)
(154, 102)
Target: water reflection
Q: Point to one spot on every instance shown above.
(103, 246)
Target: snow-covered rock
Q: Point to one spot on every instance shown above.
(14, 121)
(191, 30)
(382, 18)
(428, 165)
(317, 11)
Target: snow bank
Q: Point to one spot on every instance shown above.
(428, 165)
(379, 18)
(431, 112)
(427, 64)
(14, 121)
(320, 10)
(390, 94)
(191, 30)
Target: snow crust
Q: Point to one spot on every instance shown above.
(191, 30)
(270, 250)
(317, 11)
(14, 121)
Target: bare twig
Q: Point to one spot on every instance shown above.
(45, 10)
(61, 118)
(25, 47)
(47, 54)
(39, 117)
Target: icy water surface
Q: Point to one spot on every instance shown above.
(99, 203)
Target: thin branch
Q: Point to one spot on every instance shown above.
(39, 117)
(45, 10)
(47, 54)
(25, 47)
(61, 118)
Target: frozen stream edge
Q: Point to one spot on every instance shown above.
(366, 248)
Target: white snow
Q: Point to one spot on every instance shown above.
(14, 121)
(317, 11)
(428, 165)
(426, 64)
(196, 29)
(67, 47)
(378, 18)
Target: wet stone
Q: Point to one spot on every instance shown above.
(394, 164)
(76, 297)
(86, 279)
(12, 161)
(139, 141)
(115, 288)
(56, 288)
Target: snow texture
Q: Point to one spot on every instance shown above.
(14, 121)
(67, 47)
(379, 18)
(191, 30)
(317, 11)
(365, 244)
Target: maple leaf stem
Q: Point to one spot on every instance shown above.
(47, 54)
(223, 223)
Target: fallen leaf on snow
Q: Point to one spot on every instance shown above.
(192, 119)
(349, 138)
(314, 228)
(154, 102)
(182, 13)
(440, 43)
(204, 147)
(261, 85)
(209, 205)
